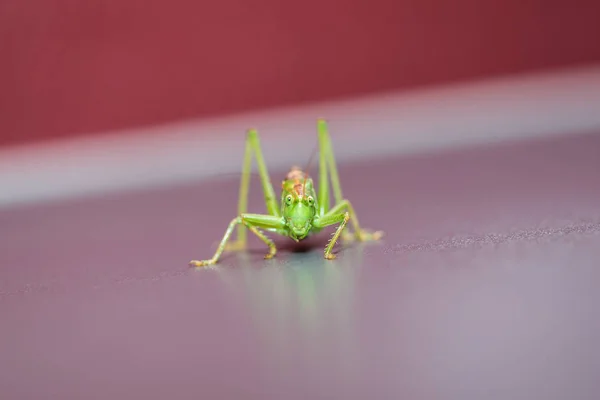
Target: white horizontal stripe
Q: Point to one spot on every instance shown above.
(521, 107)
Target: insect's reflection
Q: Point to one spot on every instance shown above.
(301, 306)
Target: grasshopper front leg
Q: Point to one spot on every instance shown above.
(332, 217)
(328, 167)
(341, 212)
(252, 222)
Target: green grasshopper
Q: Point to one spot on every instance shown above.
(300, 212)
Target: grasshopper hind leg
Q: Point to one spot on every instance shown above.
(328, 170)
(362, 235)
(252, 147)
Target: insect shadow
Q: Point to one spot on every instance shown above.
(308, 245)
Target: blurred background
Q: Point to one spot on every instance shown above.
(72, 68)
(485, 285)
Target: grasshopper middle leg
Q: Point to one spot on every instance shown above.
(253, 222)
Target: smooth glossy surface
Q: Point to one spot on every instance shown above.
(486, 286)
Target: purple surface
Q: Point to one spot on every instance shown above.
(485, 287)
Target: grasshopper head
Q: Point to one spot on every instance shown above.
(299, 213)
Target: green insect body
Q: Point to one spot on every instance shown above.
(300, 212)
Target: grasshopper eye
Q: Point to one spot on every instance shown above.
(288, 200)
(311, 201)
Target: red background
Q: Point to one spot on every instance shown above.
(74, 67)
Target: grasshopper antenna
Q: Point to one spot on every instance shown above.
(308, 165)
